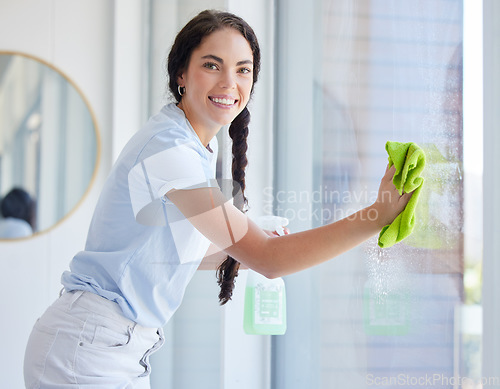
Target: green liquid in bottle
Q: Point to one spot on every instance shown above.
(265, 299)
(265, 308)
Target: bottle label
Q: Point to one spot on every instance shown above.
(386, 312)
(268, 306)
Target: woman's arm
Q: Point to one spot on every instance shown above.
(215, 256)
(232, 231)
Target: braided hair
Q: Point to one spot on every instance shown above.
(238, 131)
(187, 40)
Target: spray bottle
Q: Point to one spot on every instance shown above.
(265, 299)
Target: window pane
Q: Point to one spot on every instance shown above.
(388, 70)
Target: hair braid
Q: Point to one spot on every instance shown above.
(238, 131)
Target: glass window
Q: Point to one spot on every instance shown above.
(368, 72)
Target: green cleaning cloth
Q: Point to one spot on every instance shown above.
(409, 160)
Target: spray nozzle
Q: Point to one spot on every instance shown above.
(273, 223)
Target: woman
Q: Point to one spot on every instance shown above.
(18, 210)
(158, 213)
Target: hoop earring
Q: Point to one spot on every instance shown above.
(181, 89)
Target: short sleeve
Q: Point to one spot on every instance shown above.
(178, 167)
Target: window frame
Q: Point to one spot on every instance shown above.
(491, 190)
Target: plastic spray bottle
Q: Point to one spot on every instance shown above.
(265, 299)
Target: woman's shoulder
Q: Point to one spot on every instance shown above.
(168, 125)
(170, 112)
(163, 130)
(167, 131)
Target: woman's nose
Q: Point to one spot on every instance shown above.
(227, 80)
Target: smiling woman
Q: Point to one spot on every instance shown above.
(160, 209)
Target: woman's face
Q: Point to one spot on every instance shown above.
(218, 80)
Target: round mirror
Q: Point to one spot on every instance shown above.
(49, 146)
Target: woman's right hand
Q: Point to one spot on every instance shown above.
(389, 203)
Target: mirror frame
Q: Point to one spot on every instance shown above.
(98, 147)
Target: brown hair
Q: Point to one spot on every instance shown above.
(187, 40)
(19, 204)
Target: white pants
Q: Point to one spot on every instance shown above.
(83, 340)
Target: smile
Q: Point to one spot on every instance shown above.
(223, 101)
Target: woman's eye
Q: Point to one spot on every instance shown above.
(245, 70)
(210, 65)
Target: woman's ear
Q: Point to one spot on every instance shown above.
(180, 79)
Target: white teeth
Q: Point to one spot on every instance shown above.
(223, 101)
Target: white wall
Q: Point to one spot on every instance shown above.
(76, 37)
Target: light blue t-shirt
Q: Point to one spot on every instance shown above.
(141, 252)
